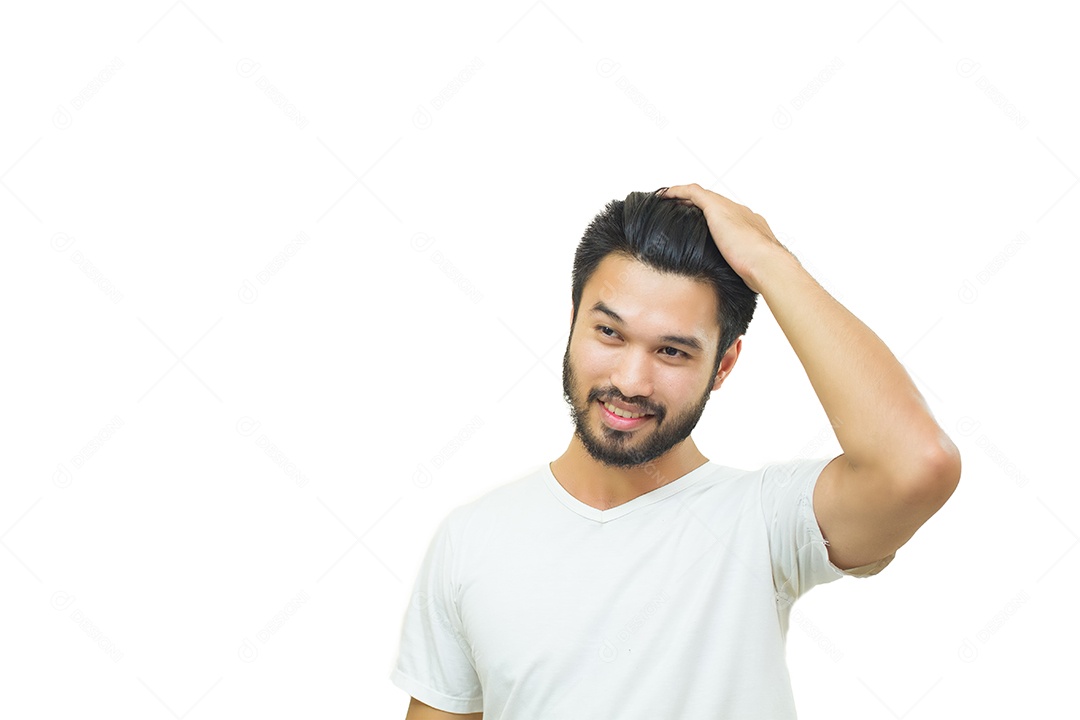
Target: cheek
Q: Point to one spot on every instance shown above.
(677, 387)
(586, 357)
(593, 364)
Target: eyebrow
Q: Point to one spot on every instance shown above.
(691, 342)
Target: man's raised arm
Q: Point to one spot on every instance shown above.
(898, 466)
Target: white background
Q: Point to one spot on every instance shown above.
(283, 285)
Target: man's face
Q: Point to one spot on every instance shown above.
(642, 360)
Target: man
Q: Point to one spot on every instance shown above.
(632, 577)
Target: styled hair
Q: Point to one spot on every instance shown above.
(669, 237)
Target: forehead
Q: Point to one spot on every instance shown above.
(652, 302)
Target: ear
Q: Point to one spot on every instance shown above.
(727, 363)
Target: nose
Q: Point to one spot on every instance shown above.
(632, 375)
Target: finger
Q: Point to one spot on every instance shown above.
(686, 195)
(677, 194)
(699, 196)
(676, 191)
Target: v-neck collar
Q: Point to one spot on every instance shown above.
(602, 516)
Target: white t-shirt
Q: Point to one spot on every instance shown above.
(532, 605)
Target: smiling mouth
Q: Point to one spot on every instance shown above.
(619, 412)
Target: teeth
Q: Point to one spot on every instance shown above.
(622, 413)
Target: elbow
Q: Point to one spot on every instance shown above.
(939, 473)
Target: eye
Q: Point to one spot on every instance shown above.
(604, 329)
(675, 352)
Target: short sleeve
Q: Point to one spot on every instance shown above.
(800, 556)
(434, 662)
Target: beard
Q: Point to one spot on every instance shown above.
(615, 448)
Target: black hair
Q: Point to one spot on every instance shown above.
(669, 237)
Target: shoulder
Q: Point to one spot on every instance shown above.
(776, 492)
(760, 493)
(498, 502)
(771, 477)
(790, 479)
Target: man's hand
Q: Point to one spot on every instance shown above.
(743, 237)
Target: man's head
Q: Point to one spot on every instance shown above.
(649, 285)
(670, 238)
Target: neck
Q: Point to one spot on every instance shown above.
(603, 487)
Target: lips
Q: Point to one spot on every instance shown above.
(620, 423)
(623, 411)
